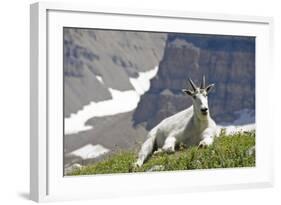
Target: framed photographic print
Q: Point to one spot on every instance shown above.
(129, 101)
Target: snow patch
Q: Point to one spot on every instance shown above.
(166, 92)
(99, 78)
(244, 123)
(232, 129)
(121, 102)
(90, 151)
(142, 83)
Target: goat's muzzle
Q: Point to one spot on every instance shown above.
(204, 111)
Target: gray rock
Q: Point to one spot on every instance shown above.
(251, 151)
(156, 168)
(73, 167)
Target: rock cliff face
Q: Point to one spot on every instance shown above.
(227, 61)
(96, 60)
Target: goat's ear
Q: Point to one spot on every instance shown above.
(209, 88)
(188, 92)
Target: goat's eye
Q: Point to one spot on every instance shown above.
(194, 96)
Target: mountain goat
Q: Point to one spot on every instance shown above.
(192, 126)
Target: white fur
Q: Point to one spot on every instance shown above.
(189, 127)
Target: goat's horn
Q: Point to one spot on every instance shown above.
(203, 82)
(192, 84)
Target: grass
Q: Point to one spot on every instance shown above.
(225, 152)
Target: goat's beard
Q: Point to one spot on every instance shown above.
(204, 116)
(205, 113)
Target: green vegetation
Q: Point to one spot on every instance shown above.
(226, 151)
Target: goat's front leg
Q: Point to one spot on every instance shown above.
(169, 144)
(207, 141)
(207, 138)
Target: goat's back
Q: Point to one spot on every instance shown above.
(174, 123)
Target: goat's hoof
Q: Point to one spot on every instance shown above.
(159, 151)
(137, 165)
(202, 145)
(169, 150)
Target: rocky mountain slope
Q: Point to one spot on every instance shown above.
(96, 60)
(227, 61)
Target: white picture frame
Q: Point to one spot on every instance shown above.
(47, 182)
